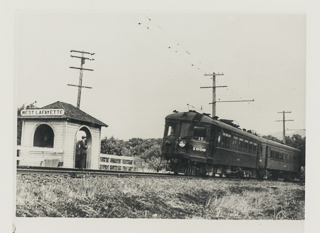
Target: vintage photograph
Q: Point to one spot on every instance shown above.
(160, 115)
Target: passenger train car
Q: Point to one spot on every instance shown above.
(196, 144)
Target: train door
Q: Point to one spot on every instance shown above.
(262, 156)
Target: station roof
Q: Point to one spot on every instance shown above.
(70, 112)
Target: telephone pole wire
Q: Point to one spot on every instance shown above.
(83, 59)
(214, 101)
(284, 126)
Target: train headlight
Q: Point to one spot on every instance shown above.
(182, 143)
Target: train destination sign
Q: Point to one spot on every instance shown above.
(42, 112)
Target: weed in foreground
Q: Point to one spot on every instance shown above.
(110, 197)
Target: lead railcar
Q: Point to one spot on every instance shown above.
(196, 144)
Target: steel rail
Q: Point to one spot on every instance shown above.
(75, 172)
(92, 172)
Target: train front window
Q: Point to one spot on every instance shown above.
(170, 131)
(184, 130)
(199, 133)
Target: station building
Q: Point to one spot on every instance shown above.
(49, 136)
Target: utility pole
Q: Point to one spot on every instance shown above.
(213, 91)
(214, 101)
(81, 72)
(284, 126)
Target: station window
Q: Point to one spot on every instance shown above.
(43, 136)
(199, 133)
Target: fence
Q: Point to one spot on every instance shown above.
(121, 163)
(39, 156)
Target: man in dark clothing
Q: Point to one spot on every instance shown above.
(83, 151)
(78, 156)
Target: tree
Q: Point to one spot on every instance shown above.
(152, 156)
(19, 122)
(272, 138)
(111, 146)
(147, 149)
(298, 142)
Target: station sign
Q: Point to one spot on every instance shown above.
(42, 112)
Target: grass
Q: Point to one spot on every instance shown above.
(162, 198)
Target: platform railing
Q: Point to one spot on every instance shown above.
(39, 156)
(121, 163)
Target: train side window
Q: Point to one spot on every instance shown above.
(254, 148)
(238, 145)
(241, 144)
(200, 133)
(250, 147)
(226, 140)
(235, 143)
(246, 146)
(219, 140)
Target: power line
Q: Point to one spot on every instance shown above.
(176, 42)
(188, 50)
(194, 107)
(214, 101)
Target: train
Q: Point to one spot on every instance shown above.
(196, 144)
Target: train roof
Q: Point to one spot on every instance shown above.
(192, 116)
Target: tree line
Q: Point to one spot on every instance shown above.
(147, 149)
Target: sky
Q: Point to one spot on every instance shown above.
(149, 64)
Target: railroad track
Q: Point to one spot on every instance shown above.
(73, 172)
(78, 173)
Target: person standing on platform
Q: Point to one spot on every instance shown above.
(83, 151)
(78, 156)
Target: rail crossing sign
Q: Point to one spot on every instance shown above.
(42, 112)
